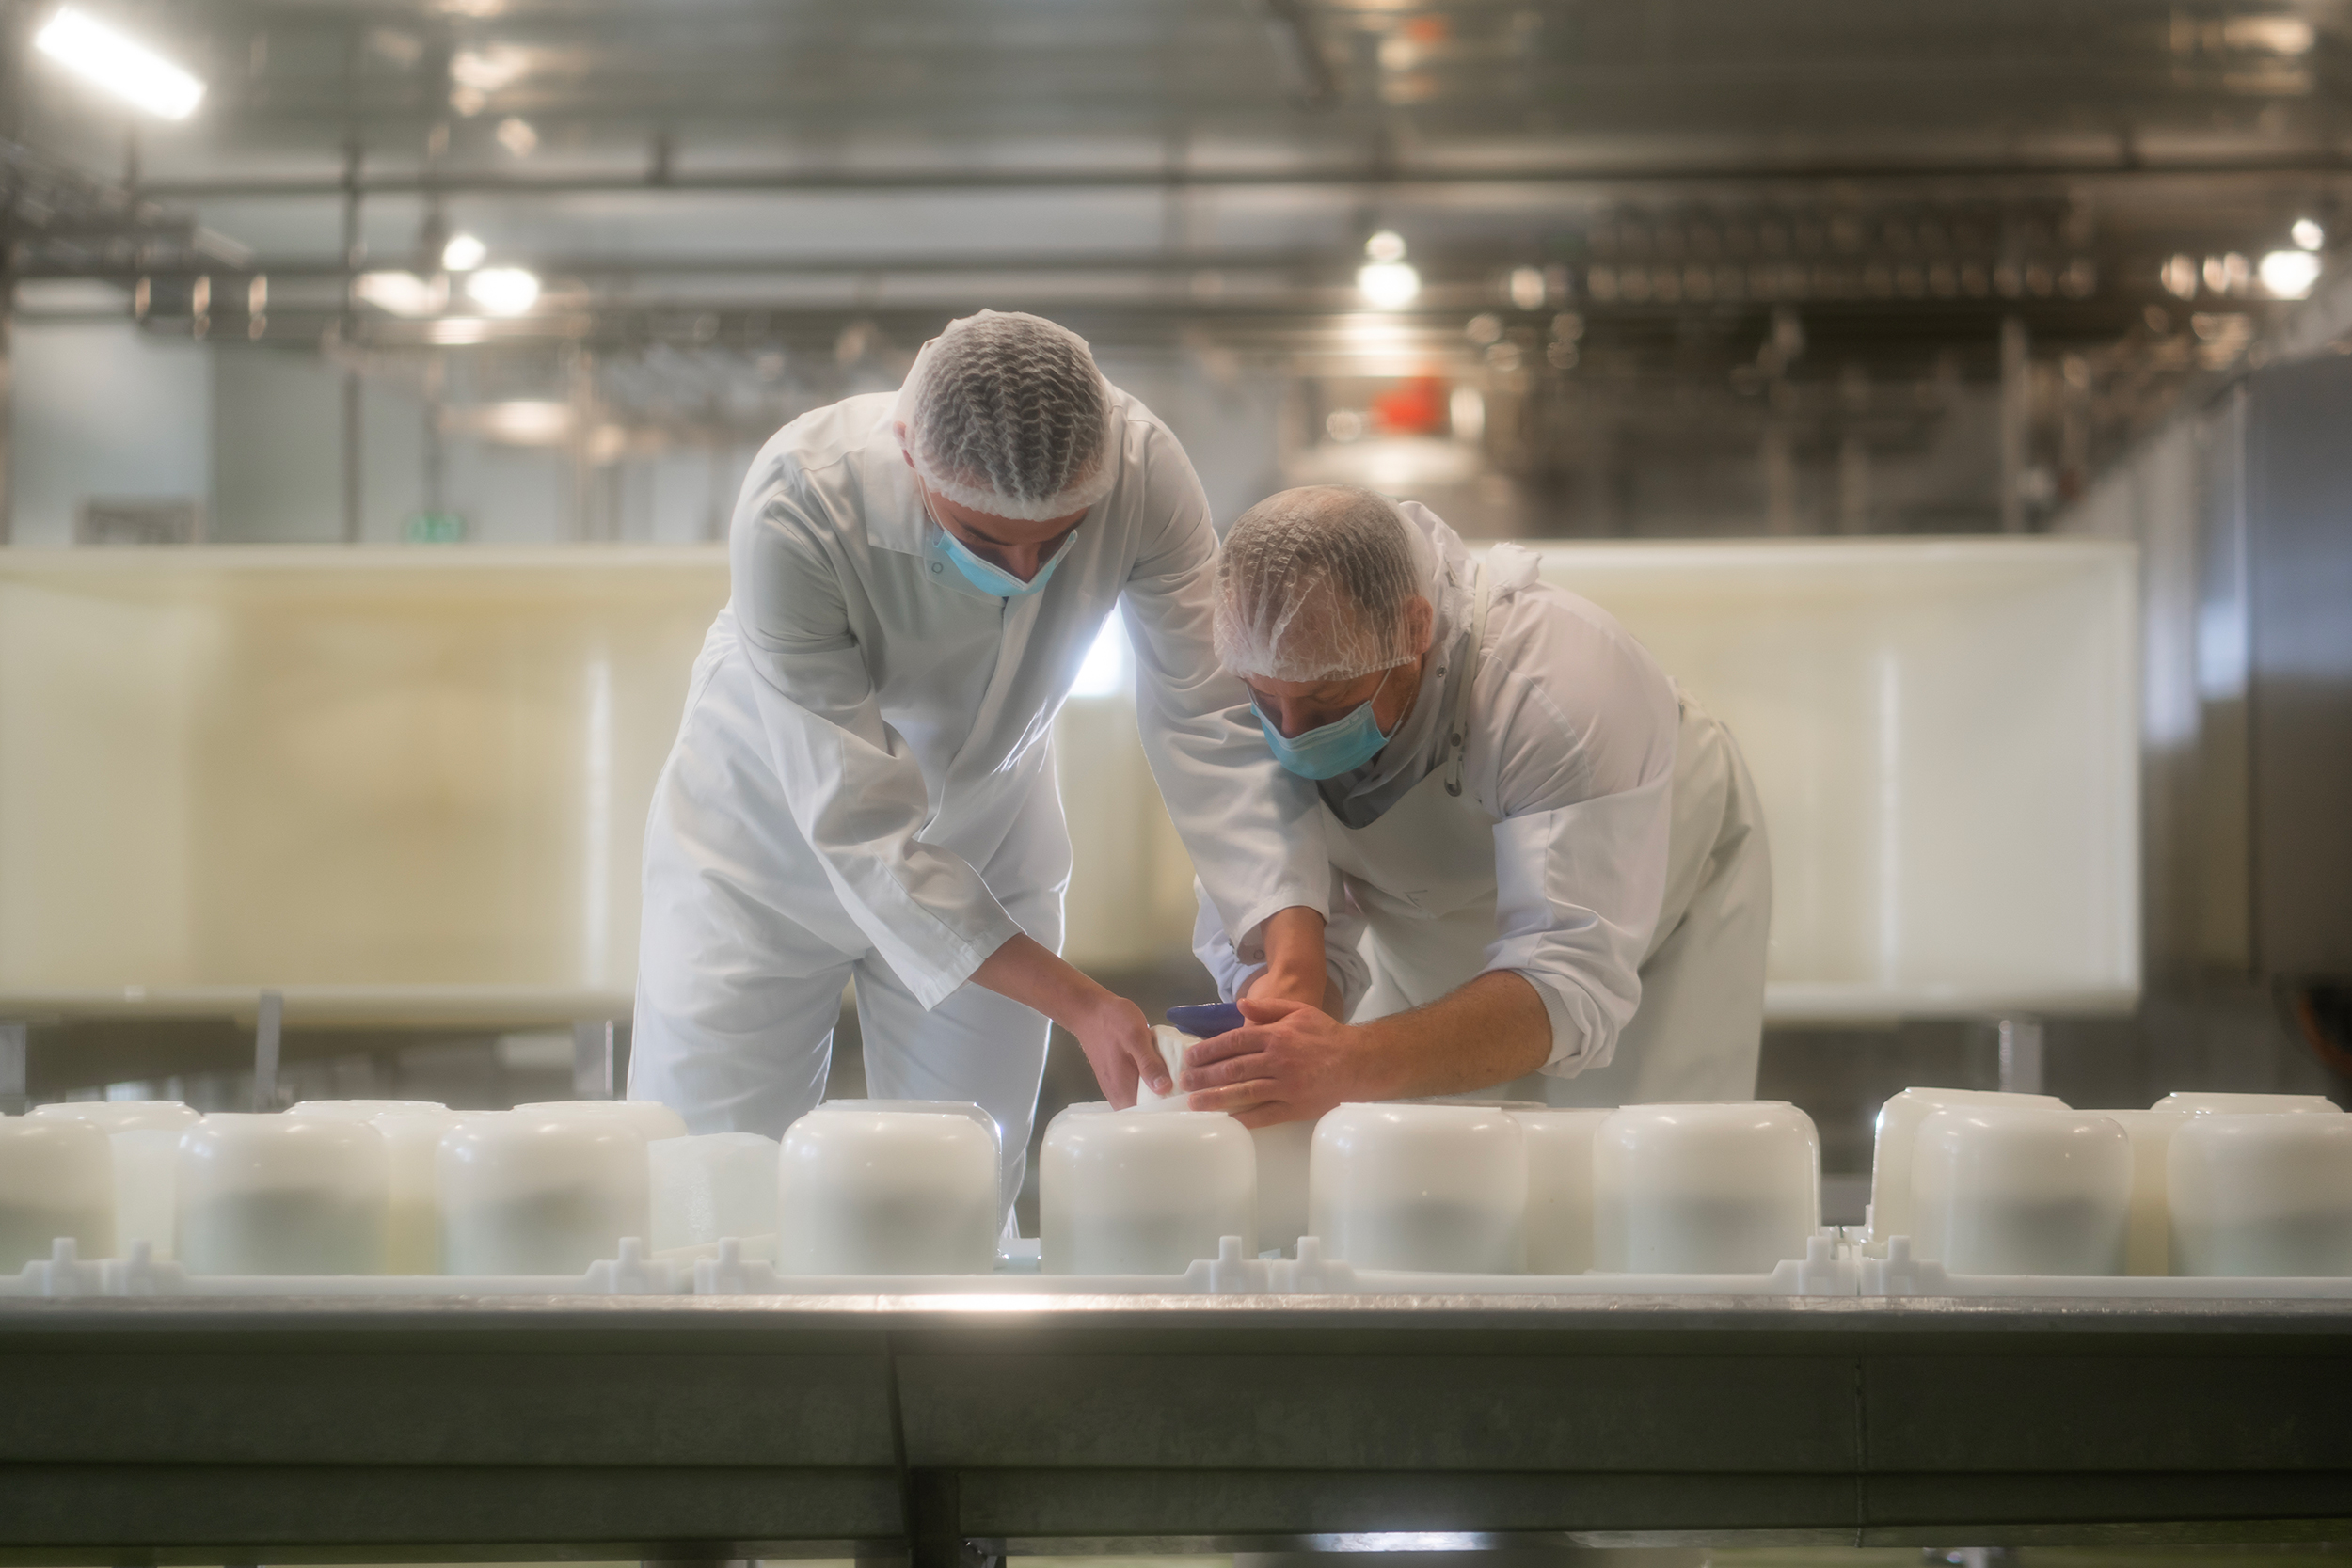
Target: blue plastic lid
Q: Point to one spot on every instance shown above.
(1207, 1020)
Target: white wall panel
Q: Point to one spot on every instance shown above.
(1944, 735)
(413, 784)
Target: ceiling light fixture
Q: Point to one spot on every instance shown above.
(118, 64)
(462, 253)
(2308, 233)
(1388, 285)
(2276, 35)
(524, 422)
(487, 69)
(504, 291)
(2288, 273)
(1386, 280)
(402, 293)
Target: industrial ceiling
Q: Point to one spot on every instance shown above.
(1709, 199)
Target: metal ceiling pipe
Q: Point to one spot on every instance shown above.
(1143, 176)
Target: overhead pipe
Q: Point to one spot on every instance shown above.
(1149, 177)
(1177, 264)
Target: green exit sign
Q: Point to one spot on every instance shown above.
(436, 527)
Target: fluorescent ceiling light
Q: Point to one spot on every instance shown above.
(1388, 285)
(2309, 234)
(462, 253)
(525, 421)
(2290, 274)
(2279, 35)
(487, 69)
(504, 291)
(403, 294)
(118, 64)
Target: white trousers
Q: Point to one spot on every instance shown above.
(745, 950)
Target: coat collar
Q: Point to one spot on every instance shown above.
(892, 506)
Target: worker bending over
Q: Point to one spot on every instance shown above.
(863, 785)
(1554, 873)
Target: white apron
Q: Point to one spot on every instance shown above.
(1423, 875)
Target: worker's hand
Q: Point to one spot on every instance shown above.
(1119, 1046)
(1110, 1029)
(1289, 1062)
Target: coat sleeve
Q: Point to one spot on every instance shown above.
(1248, 824)
(854, 789)
(1584, 798)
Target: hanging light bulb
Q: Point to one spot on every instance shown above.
(2288, 273)
(504, 291)
(1386, 280)
(1388, 285)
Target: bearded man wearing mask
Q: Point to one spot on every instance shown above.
(1553, 882)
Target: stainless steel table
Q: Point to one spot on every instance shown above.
(216, 1431)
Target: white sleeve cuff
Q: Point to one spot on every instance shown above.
(1580, 1041)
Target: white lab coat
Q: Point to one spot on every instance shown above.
(863, 784)
(1596, 833)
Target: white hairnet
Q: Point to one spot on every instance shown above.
(1312, 584)
(1006, 414)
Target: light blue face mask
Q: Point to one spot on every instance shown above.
(988, 577)
(1329, 749)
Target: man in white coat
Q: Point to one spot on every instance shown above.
(1555, 879)
(862, 786)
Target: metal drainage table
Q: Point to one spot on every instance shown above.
(669, 1428)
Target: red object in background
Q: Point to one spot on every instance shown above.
(1416, 405)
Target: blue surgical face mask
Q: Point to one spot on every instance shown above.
(1331, 750)
(988, 577)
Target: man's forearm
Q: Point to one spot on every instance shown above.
(1110, 1029)
(1026, 971)
(1295, 966)
(1490, 1031)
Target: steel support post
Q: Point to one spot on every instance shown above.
(13, 1068)
(2016, 419)
(592, 1059)
(11, 114)
(935, 1525)
(2021, 1054)
(354, 431)
(268, 1033)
